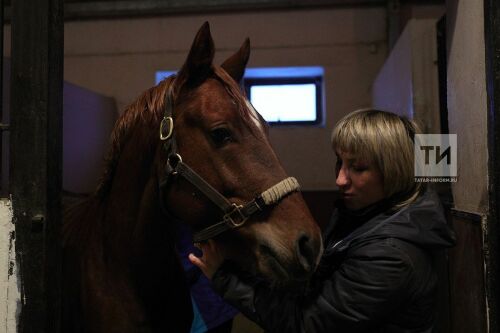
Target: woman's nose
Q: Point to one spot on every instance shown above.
(342, 178)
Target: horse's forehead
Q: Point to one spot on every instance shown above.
(213, 92)
(213, 103)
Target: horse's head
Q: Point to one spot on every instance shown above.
(218, 135)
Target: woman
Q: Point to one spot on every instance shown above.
(376, 273)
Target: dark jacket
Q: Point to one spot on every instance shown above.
(378, 278)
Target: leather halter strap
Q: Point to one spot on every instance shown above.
(234, 215)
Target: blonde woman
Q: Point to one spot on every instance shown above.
(376, 273)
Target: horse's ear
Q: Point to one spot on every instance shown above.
(235, 64)
(199, 60)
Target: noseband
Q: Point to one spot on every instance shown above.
(234, 215)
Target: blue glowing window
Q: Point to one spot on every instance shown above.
(285, 102)
(160, 75)
(286, 95)
(282, 95)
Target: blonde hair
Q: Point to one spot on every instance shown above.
(385, 140)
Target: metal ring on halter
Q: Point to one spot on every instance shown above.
(177, 156)
(172, 164)
(170, 122)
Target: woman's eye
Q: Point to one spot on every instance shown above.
(221, 136)
(359, 168)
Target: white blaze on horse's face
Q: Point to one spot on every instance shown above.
(254, 114)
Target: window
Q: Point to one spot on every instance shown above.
(160, 75)
(286, 95)
(282, 95)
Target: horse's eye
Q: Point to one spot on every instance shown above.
(221, 136)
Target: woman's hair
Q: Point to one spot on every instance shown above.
(385, 140)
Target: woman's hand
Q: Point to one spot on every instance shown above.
(211, 259)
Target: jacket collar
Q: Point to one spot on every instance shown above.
(421, 222)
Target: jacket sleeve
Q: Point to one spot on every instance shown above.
(369, 285)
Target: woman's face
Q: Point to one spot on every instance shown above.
(360, 183)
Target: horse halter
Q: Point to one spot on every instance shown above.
(234, 215)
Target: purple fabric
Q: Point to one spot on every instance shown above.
(213, 310)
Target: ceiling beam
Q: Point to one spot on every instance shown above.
(106, 9)
(97, 9)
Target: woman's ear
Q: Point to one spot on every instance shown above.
(235, 64)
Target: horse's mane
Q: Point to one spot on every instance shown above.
(146, 111)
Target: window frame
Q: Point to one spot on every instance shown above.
(317, 80)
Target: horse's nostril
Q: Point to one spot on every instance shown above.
(305, 253)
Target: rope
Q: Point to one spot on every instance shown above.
(278, 191)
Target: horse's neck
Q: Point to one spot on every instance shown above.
(120, 257)
(128, 262)
(101, 252)
(132, 200)
(139, 246)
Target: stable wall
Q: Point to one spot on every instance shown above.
(118, 58)
(408, 81)
(88, 119)
(467, 109)
(467, 117)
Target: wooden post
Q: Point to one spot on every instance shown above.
(492, 239)
(36, 158)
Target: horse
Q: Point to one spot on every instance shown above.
(191, 149)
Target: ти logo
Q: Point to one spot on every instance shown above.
(435, 157)
(439, 156)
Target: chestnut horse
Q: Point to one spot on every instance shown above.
(191, 149)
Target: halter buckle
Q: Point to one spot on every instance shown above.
(166, 121)
(235, 217)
